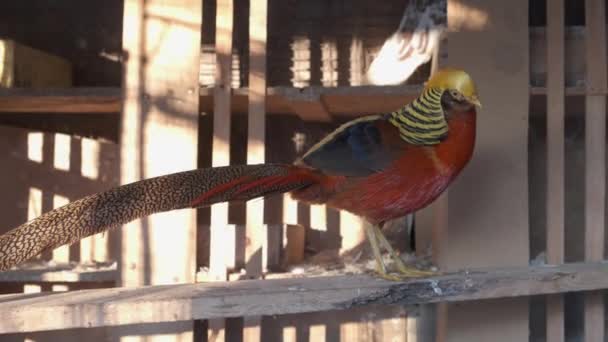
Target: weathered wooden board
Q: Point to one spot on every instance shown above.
(169, 303)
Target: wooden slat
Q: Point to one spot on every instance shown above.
(221, 126)
(222, 112)
(255, 232)
(61, 100)
(61, 274)
(256, 139)
(595, 158)
(489, 227)
(170, 303)
(555, 159)
(555, 132)
(595, 131)
(295, 238)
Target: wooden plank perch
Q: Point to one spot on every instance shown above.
(170, 303)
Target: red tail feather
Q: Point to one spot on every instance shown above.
(263, 183)
(252, 186)
(217, 190)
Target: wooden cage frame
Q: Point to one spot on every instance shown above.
(498, 279)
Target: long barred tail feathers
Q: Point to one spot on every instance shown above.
(109, 209)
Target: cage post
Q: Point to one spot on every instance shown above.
(595, 155)
(487, 214)
(160, 249)
(223, 248)
(555, 159)
(256, 234)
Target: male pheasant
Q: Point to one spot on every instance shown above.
(379, 167)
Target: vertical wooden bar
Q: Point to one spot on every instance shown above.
(487, 215)
(221, 124)
(555, 159)
(255, 230)
(555, 131)
(160, 249)
(221, 150)
(256, 129)
(131, 150)
(595, 158)
(151, 134)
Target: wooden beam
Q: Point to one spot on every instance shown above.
(320, 103)
(61, 100)
(595, 159)
(339, 101)
(351, 101)
(555, 159)
(170, 303)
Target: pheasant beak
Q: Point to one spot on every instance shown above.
(474, 100)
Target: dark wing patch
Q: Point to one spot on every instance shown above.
(355, 149)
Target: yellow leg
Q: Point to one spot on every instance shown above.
(377, 240)
(373, 242)
(404, 270)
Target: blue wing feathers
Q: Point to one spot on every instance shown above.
(355, 151)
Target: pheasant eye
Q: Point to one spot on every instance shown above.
(456, 94)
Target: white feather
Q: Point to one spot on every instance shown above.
(392, 65)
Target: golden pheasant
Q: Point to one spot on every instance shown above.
(379, 167)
